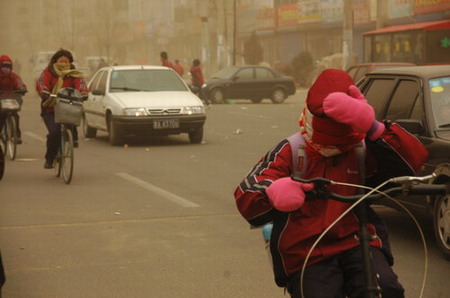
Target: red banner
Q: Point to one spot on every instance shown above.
(287, 15)
(427, 6)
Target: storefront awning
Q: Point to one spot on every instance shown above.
(436, 25)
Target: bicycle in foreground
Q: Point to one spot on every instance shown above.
(408, 187)
(10, 103)
(68, 113)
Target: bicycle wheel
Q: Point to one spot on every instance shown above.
(2, 163)
(3, 140)
(11, 137)
(57, 164)
(67, 155)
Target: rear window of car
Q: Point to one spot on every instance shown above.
(377, 93)
(361, 72)
(225, 73)
(440, 101)
(262, 73)
(403, 100)
(145, 80)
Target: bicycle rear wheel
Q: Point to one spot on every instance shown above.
(67, 155)
(11, 137)
(2, 163)
(3, 140)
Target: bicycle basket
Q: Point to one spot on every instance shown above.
(68, 112)
(9, 104)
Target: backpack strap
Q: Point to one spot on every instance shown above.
(298, 153)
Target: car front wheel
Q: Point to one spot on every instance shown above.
(278, 95)
(442, 222)
(89, 132)
(115, 138)
(216, 95)
(196, 136)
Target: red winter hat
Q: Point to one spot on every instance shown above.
(330, 80)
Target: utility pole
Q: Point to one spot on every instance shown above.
(234, 31)
(347, 44)
(206, 57)
(221, 40)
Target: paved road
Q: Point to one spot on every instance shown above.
(157, 218)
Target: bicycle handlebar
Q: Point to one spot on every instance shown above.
(320, 190)
(64, 96)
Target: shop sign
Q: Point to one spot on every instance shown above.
(309, 11)
(428, 6)
(361, 12)
(265, 19)
(287, 15)
(445, 42)
(332, 11)
(246, 21)
(400, 8)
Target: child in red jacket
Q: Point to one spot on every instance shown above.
(336, 120)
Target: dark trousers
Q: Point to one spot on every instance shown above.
(343, 276)
(54, 135)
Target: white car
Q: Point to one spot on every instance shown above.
(141, 100)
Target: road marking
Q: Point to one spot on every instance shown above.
(35, 136)
(250, 115)
(164, 193)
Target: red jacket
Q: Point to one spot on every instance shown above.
(11, 81)
(397, 153)
(167, 63)
(48, 80)
(197, 76)
(178, 68)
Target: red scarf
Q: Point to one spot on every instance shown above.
(326, 136)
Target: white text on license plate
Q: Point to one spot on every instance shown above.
(166, 123)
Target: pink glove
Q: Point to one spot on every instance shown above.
(353, 110)
(287, 195)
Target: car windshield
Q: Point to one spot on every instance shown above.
(440, 101)
(150, 80)
(225, 73)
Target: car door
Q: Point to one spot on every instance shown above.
(97, 95)
(242, 84)
(89, 104)
(264, 83)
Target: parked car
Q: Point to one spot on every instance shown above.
(418, 98)
(248, 82)
(358, 71)
(141, 100)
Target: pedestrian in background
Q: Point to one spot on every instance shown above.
(178, 68)
(165, 59)
(197, 80)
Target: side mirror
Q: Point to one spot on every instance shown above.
(98, 92)
(414, 127)
(235, 78)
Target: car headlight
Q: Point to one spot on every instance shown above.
(136, 112)
(193, 110)
(204, 85)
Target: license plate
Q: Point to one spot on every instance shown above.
(166, 123)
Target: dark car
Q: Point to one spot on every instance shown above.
(248, 82)
(358, 71)
(418, 98)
